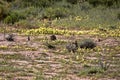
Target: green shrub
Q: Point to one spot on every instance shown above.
(9, 0)
(107, 3)
(36, 3)
(26, 24)
(63, 4)
(28, 11)
(118, 16)
(3, 10)
(90, 71)
(104, 65)
(72, 1)
(40, 76)
(95, 2)
(113, 27)
(53, 13)
(87, 43)
(14, 17)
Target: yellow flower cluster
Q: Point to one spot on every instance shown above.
(96, 32)
(78, 18)
(3, 47)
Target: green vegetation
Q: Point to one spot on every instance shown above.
(95, 32)
(93, 24)
(17, 48)
(13, 17)
(87, 43)
(118, 16)
(3, 9)
(91, 71)
(39, 76)
(12, 56)
(8, 69)
(104, 65)
(75, 13)
(52, 13)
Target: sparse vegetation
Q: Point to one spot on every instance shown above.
(91, 71)
(12, 56)
(43, 39)
(118, 16)
(52, 13)
(87, 43)
(49, 45)
(104, 65)
(13, 17)
(3, 9)
(40, 76)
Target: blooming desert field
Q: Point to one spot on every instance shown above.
(59, 39)
(35, 60)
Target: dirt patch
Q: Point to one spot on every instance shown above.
(109, 42)
(51, 63)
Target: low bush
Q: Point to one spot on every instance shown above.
(26, 24)
(90, 71)
(3, 10)
(13, 17)
(107, 3)
(9, 0)
(62, 4)
(52, 13)
(35, 3)
(104, 65)
(87, 43)
(113, 27)
(118, 16)
(72, 1)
